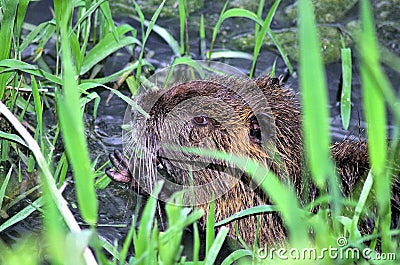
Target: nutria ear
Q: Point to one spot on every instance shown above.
(254, 131)
(267, 82)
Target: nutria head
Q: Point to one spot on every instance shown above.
(229, 114)
(258, 119)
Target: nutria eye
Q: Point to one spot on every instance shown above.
(200, 120)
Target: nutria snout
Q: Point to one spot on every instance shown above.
(226, 114)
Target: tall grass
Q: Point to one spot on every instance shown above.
(72, 84)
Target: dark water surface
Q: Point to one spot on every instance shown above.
(117, 202)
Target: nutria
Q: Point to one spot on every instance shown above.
(203, 125)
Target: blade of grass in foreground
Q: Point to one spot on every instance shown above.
(251, 211)
(196, 244)
(315, 113)
(71, 121)
(210, 229)
(46, 177)
(375, 115)
(314, 95)
(216, 246)
(55, 230)
(236, 255)
(144, 233)
(360, 205)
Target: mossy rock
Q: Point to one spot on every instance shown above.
(251, 5)
(326, 11)
(170, 9)
(329, 40)
(387, 20)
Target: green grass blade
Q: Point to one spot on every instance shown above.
(75, 50)
(144, 233)
(234, 12)
(251, 211)
(105, 8)
(389, 58)
(345, 100)
(71, 122)
(281, 51)
(35, 34)
(170, 248)
(127, 242)
(39, 110)
(182, 23)
(55, 230)
(284, 197)
(93, 96)
(196, 244)
(236, 255)
(116, 75)
(230, 54)
(22, 6)
(185, 61)
(215, 31)
(202, 33)
(6, 33)
(360, 205)
(89, 13)
(107, 46)
(166, 36)
(4, 186)
(314, 96)
(119, 94)
(12, 65)
(12, 137)
(216, 246)
(210, 227)
(175, 228)
(21, 215)
(261, 35)
(150, 27)
(46, 177)
(45, 36)
(259, 14)
(375, 116)
(372, 99)
(61, 170)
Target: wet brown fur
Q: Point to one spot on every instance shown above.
(351, 156)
